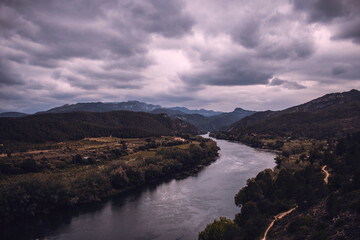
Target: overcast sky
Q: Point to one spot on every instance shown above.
(254, 54)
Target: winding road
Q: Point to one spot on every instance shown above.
(327, 174)
(281, 215)
(277, 217)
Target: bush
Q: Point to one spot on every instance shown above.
(77, 159)
(222, 229)
(29, 165)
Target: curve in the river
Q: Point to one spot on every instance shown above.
(176, 209)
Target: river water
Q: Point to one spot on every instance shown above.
(176, 209)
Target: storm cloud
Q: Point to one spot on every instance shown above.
(285, 84)
(197, 53)
(230, 71)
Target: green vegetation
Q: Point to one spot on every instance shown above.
(323, 209)
(220, 229)
(41, 128)
(65, 174)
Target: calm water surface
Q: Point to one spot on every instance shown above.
(177, 209)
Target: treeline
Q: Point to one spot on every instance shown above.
(28, 195)
(13, 165)
(331, 116)
(275, 191)
(330, 123)
(77, 125)
(344, 183)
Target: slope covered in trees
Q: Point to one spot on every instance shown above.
(332, 115)
(214, 123)
(323, 210)
(78, 125)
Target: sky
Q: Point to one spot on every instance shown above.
(211, 54)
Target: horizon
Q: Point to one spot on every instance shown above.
(189, 108)
(269, 56)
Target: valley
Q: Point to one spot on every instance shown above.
(76, 158)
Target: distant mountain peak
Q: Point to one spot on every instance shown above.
(134, 106)
(204, 112)
(238, 109)
(12, 114)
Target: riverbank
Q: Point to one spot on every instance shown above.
(176, 208)
(275, 190)
(299, 179)
(82, 181)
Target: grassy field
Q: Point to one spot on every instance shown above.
(52, 156)
(53, 175)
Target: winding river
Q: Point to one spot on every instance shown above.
(176, 209)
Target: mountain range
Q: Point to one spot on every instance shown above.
(12, 114)
(331, 115)
(205, 120)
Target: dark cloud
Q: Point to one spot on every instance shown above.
(285, 84)
(339, 68)
(7, 75)
(162, 16)
(343, 14)
(321, 10)
(294, 49)
(135, 62)
(350, 30)
(51, 32)
(274, 36)
(247, 34)
(229, 71)
(175, 51)
(11, 94)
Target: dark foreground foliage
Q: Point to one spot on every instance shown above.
(325, 211)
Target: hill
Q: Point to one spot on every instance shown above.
(78, 125)
(332, 115)
(134, 106)
(12, 114)
(203, 112)
(205, 120)
(168, 111)
(217, 122)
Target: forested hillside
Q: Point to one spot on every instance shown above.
(332, 115)
(319, 208)
(214, 123)
(315, 185)
(78, 125)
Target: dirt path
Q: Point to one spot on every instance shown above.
(29, 152)
(326, 173)
(277, 217)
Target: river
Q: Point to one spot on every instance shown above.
(176, 209)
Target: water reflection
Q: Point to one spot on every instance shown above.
(174, 209)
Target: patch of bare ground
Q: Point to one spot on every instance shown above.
(276, 218)
(315, 223)
(327, 174)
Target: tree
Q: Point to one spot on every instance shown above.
(222, 229)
